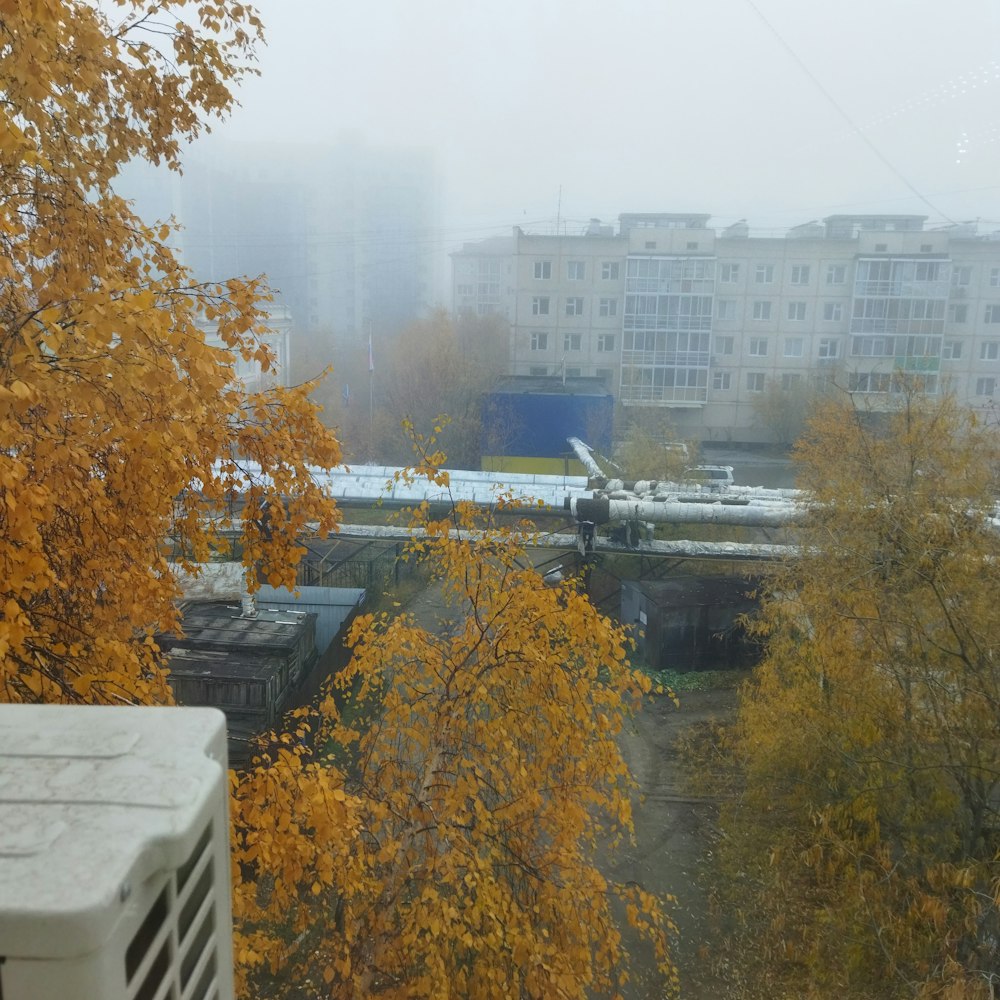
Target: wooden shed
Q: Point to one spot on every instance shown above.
(249, 667)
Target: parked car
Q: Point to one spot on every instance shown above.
(713, 477)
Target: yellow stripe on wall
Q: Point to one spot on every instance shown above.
(538, 466)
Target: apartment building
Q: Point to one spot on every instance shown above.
(341, 231)
(278, 339)
(482, 276)
(673, 314)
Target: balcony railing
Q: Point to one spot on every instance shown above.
(665, 359)
(656, 395)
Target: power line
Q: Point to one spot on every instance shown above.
(850, 121)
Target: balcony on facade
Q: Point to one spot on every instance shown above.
(898, 319)
(667, 330)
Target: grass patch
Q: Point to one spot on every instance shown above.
(697, 680)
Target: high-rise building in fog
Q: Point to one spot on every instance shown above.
(342, 232)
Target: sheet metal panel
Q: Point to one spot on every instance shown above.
(331, 605)
(537, 424)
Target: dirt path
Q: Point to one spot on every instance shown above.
(673, 827)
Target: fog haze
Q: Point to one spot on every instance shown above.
(776, 111)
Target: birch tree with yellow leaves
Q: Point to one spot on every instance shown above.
(481, 792)
(871, 817)
(118, 425)
(446, 847)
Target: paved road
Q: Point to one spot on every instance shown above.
(752, 468)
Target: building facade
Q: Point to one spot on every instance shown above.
(673, 314)
(342, 232)
(277, 339)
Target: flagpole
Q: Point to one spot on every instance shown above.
(371, 397)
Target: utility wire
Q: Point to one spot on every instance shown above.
(850, 121)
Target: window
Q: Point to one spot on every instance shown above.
(761, 310)
(539, 341)
(606, 374)
(832, 312)
(729, 273)
(543, 269)
(995, 277)
(952, 350)
(610, 270)
(755, 381)
(986, 386)
(538, 370)
(609, 307)
(930, 271)
(990, 351)
(869, 382)
(797, 311)
(961, 276)
(873, 347)
(576, 270)
(800, 274)
(919, 347)
(650, 244)
(692, 245)
(722, 380)
(959, 313)
(466, 289)
(758, 347)
(574, 306)
(794, 347)
(836, 274)
(992, 313)
(540, 305)
(829, 348)
(572, 341)
(574, 372)
(725, 308)
(605, 342)
(764, 274)
(725, 345)
(790, 380)
(881, 247)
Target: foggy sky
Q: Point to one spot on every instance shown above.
(650, 105)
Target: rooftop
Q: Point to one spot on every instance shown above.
(220, 626)
(553, 385)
